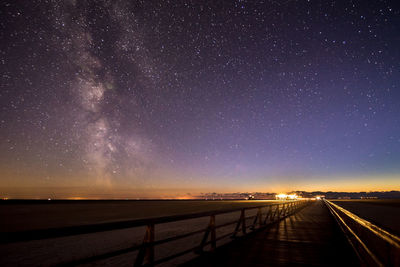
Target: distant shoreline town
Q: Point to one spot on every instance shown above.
(303, 194)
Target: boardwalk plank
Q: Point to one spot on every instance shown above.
(308, 238)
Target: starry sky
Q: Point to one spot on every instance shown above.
(170, 98)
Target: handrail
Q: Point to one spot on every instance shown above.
(274, 213)
(373, 245)
(11, 237)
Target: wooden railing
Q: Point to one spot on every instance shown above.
(266, 215)
(373, 245)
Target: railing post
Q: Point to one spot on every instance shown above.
(146, 252)
(210, 229)
(241, 221)
(275, 213)
(257, 218)
(279, 211)
(269, 213)
(213, 234)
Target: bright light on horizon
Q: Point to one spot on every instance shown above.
(286, 197)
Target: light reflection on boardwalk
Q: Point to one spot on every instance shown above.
(308, 238)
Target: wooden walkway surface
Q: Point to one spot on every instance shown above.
(311, 237)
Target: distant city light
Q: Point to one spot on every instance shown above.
(281, 196)
(286, 197)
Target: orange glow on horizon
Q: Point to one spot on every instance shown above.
(13, 188)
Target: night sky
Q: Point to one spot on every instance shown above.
(165, 98)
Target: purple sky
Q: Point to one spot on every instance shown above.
(168, 97)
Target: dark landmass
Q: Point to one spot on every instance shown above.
(352, 195)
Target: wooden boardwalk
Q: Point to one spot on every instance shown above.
(310, 237)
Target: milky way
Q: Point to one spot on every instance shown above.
(185, 96)
(108, 151)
